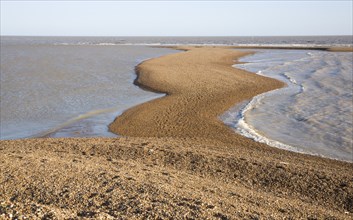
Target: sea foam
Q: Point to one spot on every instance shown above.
(312, 114)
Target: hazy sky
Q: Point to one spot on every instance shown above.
(176, 18)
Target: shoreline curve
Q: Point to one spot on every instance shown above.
(200, 84)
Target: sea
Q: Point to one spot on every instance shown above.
(76, 86)
(313, 114)
(50, 90)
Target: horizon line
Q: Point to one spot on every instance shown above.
(309, 35)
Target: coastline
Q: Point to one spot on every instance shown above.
(267, 108)
(193, 167)
(195, 95)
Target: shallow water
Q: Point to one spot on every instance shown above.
(60, 91)
(313, 114)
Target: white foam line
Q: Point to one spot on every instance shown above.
(238, 124)
(242, 127)
(245, 129)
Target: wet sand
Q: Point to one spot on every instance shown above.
(177, 160)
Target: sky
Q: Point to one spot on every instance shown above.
(176, 18)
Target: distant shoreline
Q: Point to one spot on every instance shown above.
(332, 49)
(332, 42)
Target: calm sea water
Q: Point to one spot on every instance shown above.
(76, 86)
(313, 114)
(65, 91)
